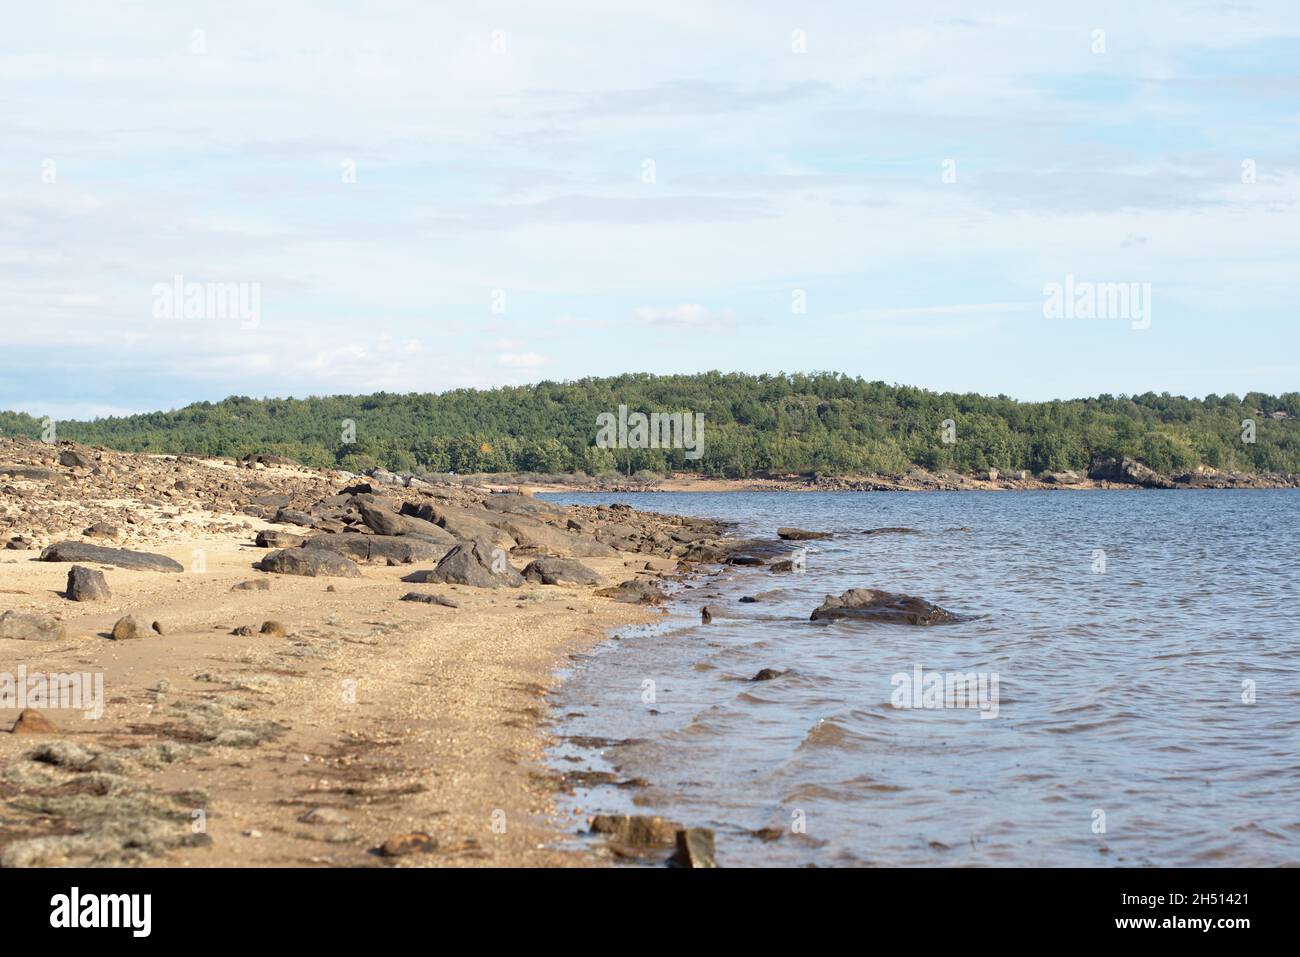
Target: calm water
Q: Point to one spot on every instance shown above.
(1119, 690)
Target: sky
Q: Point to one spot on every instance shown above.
(428, 196)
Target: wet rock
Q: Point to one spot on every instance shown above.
(87, 584)
(800, 535)
(749, 560)
(767, 674)
(706, 615)
(33, 722)
(890, 531)
(277, 538)
(783, 567)
(869, 604)
(429, 599)
(478, 565)
(29, 626)
(310, 562)
(556, 571)
(128, 628)
(634, 592)
(417, 842)
(101, 555)
(635, 830)
(694, 848)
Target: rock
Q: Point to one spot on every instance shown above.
(72, 458)
(635, 830)
(869, 604)
(256, 584)
(782, 567)
(101, 530)
(310, 562)
(750, 560)
(767, 674)
(128, 628)
(323, 815)
(478, 565)
(416, 842)
(800, 535)
(157, 627)
(381, 549)
(289, 516)
(429, 599)
(276, 538)
(244, 631)
(555, 571)
(890, 531)
(634, 592)
(33, 722)
(87, 584)
(274, 629)
(29, 626)
(30, 473)
(706, 615)
(380, 520)
(694, 848)
(119, 557)
(1129, 472)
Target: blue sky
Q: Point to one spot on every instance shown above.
(501, 151)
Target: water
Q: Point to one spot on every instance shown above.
(1122, 734)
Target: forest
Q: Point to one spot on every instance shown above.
(754, 425)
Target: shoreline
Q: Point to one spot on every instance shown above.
(363, 724)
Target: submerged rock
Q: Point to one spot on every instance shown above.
(694, 848)
(767, 674)
(869, 604)
(800, 535)
(636, 830)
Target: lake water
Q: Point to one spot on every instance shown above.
(1146, 652)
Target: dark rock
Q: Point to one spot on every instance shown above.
(32, 473)
(72, 458)
(635, 830)
(277, 538)
(890, 531)
(476, 564)
(429, 599)
(783, 567)
(706, 615)
(244, 631)
(311, 562)
(767, 674)
(157, 626)
(274, 629)
(87, 584)
(27, 626)
(634, 592)
(800, 535)
(694, 848)
(100, 555)
(746, 560)
(101, 530)
(555, 571)
(400, 845)
(381, 548)
(288, 516)
(869, 604)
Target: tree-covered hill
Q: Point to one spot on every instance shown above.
(824, 422)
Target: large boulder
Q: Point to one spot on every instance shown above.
(384, 521)
(530, 533)
(26, 626)
(310, 562)
(74, 458)
(869, 604)
(476, 564)
(557, 571)
(381, 549)
(462, 524)
(1129, 471)
(278, 538)
(101, 555)
(87, 584)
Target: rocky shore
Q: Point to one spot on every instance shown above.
(220, 663)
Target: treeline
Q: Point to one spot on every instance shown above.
(754, 425)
